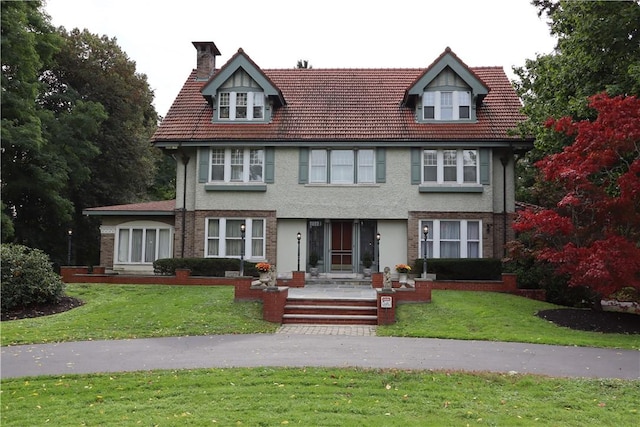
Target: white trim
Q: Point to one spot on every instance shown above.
(440, 166)
(222, 238)
(434, 240)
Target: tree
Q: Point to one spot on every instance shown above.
(303, 63)
(76, 125)
(592, 234)
(598, 49)
(33, 174)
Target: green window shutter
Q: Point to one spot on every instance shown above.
(416, 162)
(381, 165)
(203, 164)
(303, 166)
(269, 165)
(485, 156)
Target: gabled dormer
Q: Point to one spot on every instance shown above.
(448, 91)
(240, 92)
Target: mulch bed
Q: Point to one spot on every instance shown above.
(608, 322)
(66, 303)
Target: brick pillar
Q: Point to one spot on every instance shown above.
(182, 275)
(386, 314)
(510, 282)
(273, 302)
(376, 280)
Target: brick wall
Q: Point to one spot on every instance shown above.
(107, 246)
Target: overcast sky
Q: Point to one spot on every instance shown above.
(327, 33)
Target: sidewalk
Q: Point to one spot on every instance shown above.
(294, 348)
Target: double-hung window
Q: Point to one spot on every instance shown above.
(143, 245)
(342, 166)
(237, 165)
(446, 105)
(450, 166)
(224, 238)
(240, 105)
(451, 239)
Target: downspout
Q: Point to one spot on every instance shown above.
(505, 161)
(185, 162)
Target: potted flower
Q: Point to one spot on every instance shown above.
(403, 270)
(366, 263)
(263, 268)
(313, 262)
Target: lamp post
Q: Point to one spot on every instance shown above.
(298, 236)
(425, 231)
(243, 228)
(378, 253)
(69, 235)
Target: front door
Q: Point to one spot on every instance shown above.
(342, 246)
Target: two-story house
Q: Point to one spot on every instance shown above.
(356, 162)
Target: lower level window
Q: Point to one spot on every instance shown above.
(224, 238)
(452, 239)
(143, 245)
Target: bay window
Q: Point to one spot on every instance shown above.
(143, 245)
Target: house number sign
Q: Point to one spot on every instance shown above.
(386, 302)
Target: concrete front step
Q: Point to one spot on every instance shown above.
(331, 309)
(330, 319)
(338, 282)
(337, 310)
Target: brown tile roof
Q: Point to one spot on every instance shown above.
(343, 105)
(162, 207)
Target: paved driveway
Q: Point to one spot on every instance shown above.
(326, 350)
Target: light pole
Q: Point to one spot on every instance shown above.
(425, 231)
(69, 235)
(299, 236)
(243, 228)
(378, 253)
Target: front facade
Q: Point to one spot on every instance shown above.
(356, 162)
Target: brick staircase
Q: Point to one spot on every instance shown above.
(333, 301)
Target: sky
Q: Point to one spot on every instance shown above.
(157, 36)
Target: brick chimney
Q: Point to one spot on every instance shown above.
(207, 52)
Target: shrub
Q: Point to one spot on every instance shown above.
(212, 267)
(28, 277)
(461, 268)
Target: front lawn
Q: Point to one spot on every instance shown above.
(317, 397)
(490, 316)
(141, 311)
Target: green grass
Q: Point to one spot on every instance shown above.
(316, 396)
(489, 316)
(139, 311)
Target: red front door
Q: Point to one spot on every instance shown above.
(342, 246)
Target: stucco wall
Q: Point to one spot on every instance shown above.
(390, 200)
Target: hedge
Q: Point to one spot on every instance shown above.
(461, 268)
(211, 267)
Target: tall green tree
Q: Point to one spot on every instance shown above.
(76, 124)
(89, 70)
(33, 174)
(597, 50)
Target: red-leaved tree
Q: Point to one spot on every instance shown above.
(592, 236)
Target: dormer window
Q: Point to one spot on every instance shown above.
(446, 105)
(241, 106)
